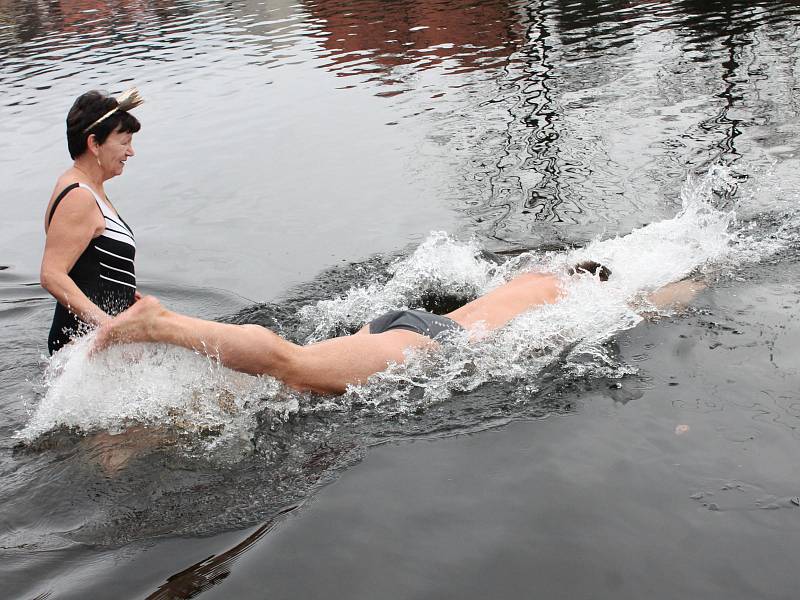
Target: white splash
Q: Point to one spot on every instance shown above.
(439, 264)
(143, 383)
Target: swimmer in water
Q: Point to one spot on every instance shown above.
(329, 366)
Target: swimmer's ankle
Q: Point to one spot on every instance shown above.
(156, 319)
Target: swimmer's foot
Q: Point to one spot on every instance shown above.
(135, 324)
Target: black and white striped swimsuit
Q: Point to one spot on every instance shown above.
(104, 272)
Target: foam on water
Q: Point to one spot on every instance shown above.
(168, 386)
(439, 264)
(144, 383)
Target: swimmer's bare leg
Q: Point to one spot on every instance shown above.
(247, 348)
(495, 309)
(326, 367)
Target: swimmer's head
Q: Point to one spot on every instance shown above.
(82, 121)
(593, 267)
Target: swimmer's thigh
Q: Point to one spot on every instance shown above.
(330, 366)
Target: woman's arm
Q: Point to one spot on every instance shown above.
(75, 223)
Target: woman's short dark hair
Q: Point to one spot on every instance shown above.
(86, 110)
(593, 267)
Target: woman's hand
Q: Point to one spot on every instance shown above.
(137, 296)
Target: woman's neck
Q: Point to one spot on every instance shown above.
(91, 171)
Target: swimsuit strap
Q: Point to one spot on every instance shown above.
(59, 198)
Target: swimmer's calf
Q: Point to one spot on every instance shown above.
(251, 349)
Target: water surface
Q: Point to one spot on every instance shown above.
(296, 153)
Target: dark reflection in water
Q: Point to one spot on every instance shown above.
(207, 573)
(543, 173)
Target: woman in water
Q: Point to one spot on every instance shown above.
(328, 367)
(88, 256)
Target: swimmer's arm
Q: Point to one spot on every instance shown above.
(673, 296)
(74, 226)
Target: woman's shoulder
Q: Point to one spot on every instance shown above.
(71, 182)
(81, 199)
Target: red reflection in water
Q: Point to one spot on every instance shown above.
(418, 32)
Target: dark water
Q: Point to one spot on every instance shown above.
(289, 153)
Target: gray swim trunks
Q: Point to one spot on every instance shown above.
(418, 321)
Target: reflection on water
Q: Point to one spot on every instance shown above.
(28, 20)
(544, 142)
(399, 38)
(584, 143)
(213, 570)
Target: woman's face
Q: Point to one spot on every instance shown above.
(112, 154)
